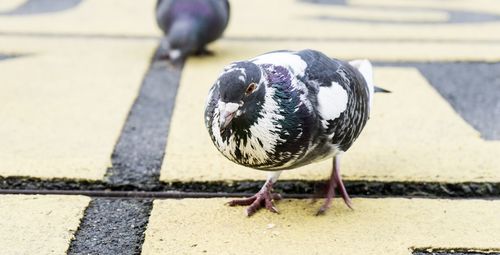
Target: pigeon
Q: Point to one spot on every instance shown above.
(286, 109)
(189, 25)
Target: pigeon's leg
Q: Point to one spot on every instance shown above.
(340, 183)
(264, 197)
(335, 182)
(327, 191)
(323, 191)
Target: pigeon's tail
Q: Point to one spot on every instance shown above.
(365, 68)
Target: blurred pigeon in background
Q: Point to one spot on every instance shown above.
(189, 25)
(285, 109)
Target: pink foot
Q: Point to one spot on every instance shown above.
(263, 198)
(335, 182)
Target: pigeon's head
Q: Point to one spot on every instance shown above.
(241, 94)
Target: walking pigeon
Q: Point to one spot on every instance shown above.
(286, 109)
(189, 25)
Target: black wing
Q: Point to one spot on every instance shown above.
(322, 71)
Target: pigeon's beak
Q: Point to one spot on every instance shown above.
(226, 115)
(226, 119)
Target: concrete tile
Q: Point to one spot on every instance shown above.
(39, 224)
(64, 104)
(413, 135)
(376, 226)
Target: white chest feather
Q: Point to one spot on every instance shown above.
(262, 141)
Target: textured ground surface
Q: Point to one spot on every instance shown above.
(88, 111)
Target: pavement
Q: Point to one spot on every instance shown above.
(104, 151)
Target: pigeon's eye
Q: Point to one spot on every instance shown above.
(251, 87)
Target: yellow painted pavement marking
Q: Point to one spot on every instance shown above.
(9, 5)
(292, 18)
(386, 15)
(39, 224)
(484, 6)
(63, 106)
(413, 135)
(112, 17)
(376, 226)
(464, 41)
(129, 17)
(375, 51)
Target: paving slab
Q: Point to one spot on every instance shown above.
(64, 104)
(413, 135)
(111, 17)
(39, 224)
(375, 226)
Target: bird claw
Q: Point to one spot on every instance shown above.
(322, 210)
(334, 182)
(263, 198)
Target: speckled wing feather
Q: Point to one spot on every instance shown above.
(327, 72)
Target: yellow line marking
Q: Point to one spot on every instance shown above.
(290, 18)
(413, 135)
(387, 14)
(129, 17)
(376, 226)
(63, 107)
(375, 51)
(486, 6)
(39, 224)
(10, 5)
(114, 17)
